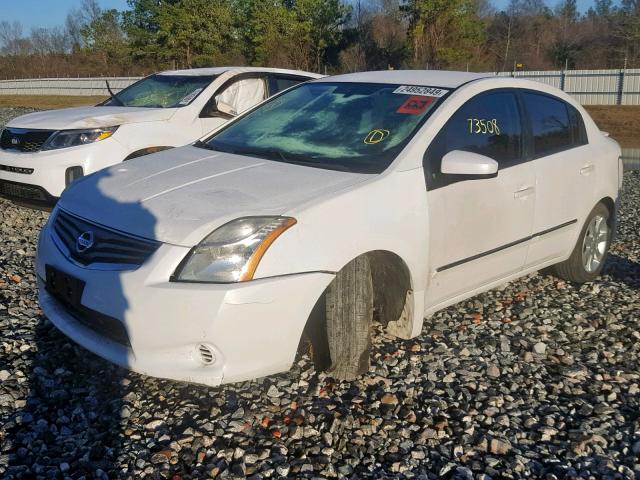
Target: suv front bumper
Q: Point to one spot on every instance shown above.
(39, 177)
(30, 195)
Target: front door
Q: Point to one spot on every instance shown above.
(479, 228)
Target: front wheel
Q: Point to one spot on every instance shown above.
(588, 256)
(349, 316)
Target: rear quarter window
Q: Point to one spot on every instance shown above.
(279, 83)
(555, 125)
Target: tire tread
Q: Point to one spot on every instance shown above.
(349, 313)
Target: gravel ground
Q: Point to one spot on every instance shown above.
(538, 379)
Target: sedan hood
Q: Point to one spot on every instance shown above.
(179, 196)
(90, 117)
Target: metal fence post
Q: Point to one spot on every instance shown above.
(562, 79)
(620, 87)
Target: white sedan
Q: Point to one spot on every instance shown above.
(42, 153)
(381, 196)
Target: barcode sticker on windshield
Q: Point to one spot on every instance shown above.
(190, 96)
(422, 91)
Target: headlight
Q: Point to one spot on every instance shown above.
(232, 252)
(72, 138)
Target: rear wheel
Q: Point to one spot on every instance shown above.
(349, 317)
(588, 256)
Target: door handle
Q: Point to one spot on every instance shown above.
(587, 169)
(524, 192)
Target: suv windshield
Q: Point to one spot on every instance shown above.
(355, 127)
(161, 91)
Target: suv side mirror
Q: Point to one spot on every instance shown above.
(458, 162)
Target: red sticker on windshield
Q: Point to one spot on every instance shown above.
(415, 105)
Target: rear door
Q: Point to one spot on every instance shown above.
(565, 175)
(479, 228)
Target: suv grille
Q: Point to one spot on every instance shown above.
(21, 191)
(100, 245)
(23, 140)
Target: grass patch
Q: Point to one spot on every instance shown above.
(622, 122)
(47, 102)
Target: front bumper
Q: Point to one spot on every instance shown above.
(252, 329)
(26, 194)
(48, 167)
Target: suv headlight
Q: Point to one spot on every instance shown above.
(232, 252)
(72, 138)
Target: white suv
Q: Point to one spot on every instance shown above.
(42, 153)
(382, 195)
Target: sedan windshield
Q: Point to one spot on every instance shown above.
(161, 91)
(342, 126)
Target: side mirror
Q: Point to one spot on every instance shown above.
(458, 162)
(225, 108)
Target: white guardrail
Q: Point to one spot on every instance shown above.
(65, 86)
(590, 87)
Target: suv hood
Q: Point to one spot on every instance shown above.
(181, 195)
(90, 117)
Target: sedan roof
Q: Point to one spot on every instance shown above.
(221, 70)
(432, 78)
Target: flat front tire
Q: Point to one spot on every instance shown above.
(589, 254)
(349, 317)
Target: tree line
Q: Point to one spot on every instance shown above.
(326, 36)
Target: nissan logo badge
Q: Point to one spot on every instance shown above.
(84, 242)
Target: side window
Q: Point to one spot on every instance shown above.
(578, 130)
(240, 95)
(488, 124)
(279, 83)
(551, 126)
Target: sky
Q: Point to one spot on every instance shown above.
(45, 13)
(49, 13)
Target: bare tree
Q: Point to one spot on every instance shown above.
(11, 39)
(78, 19)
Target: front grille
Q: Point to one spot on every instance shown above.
(100, 245)
(19, 191)
(23, 140)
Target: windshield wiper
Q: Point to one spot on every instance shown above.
(208, 146)
(272, 154)
(278, 155)
(288, 157)
(324, 165)
(201, 144)
(114, 97)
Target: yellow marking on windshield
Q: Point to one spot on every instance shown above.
(376, 136)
